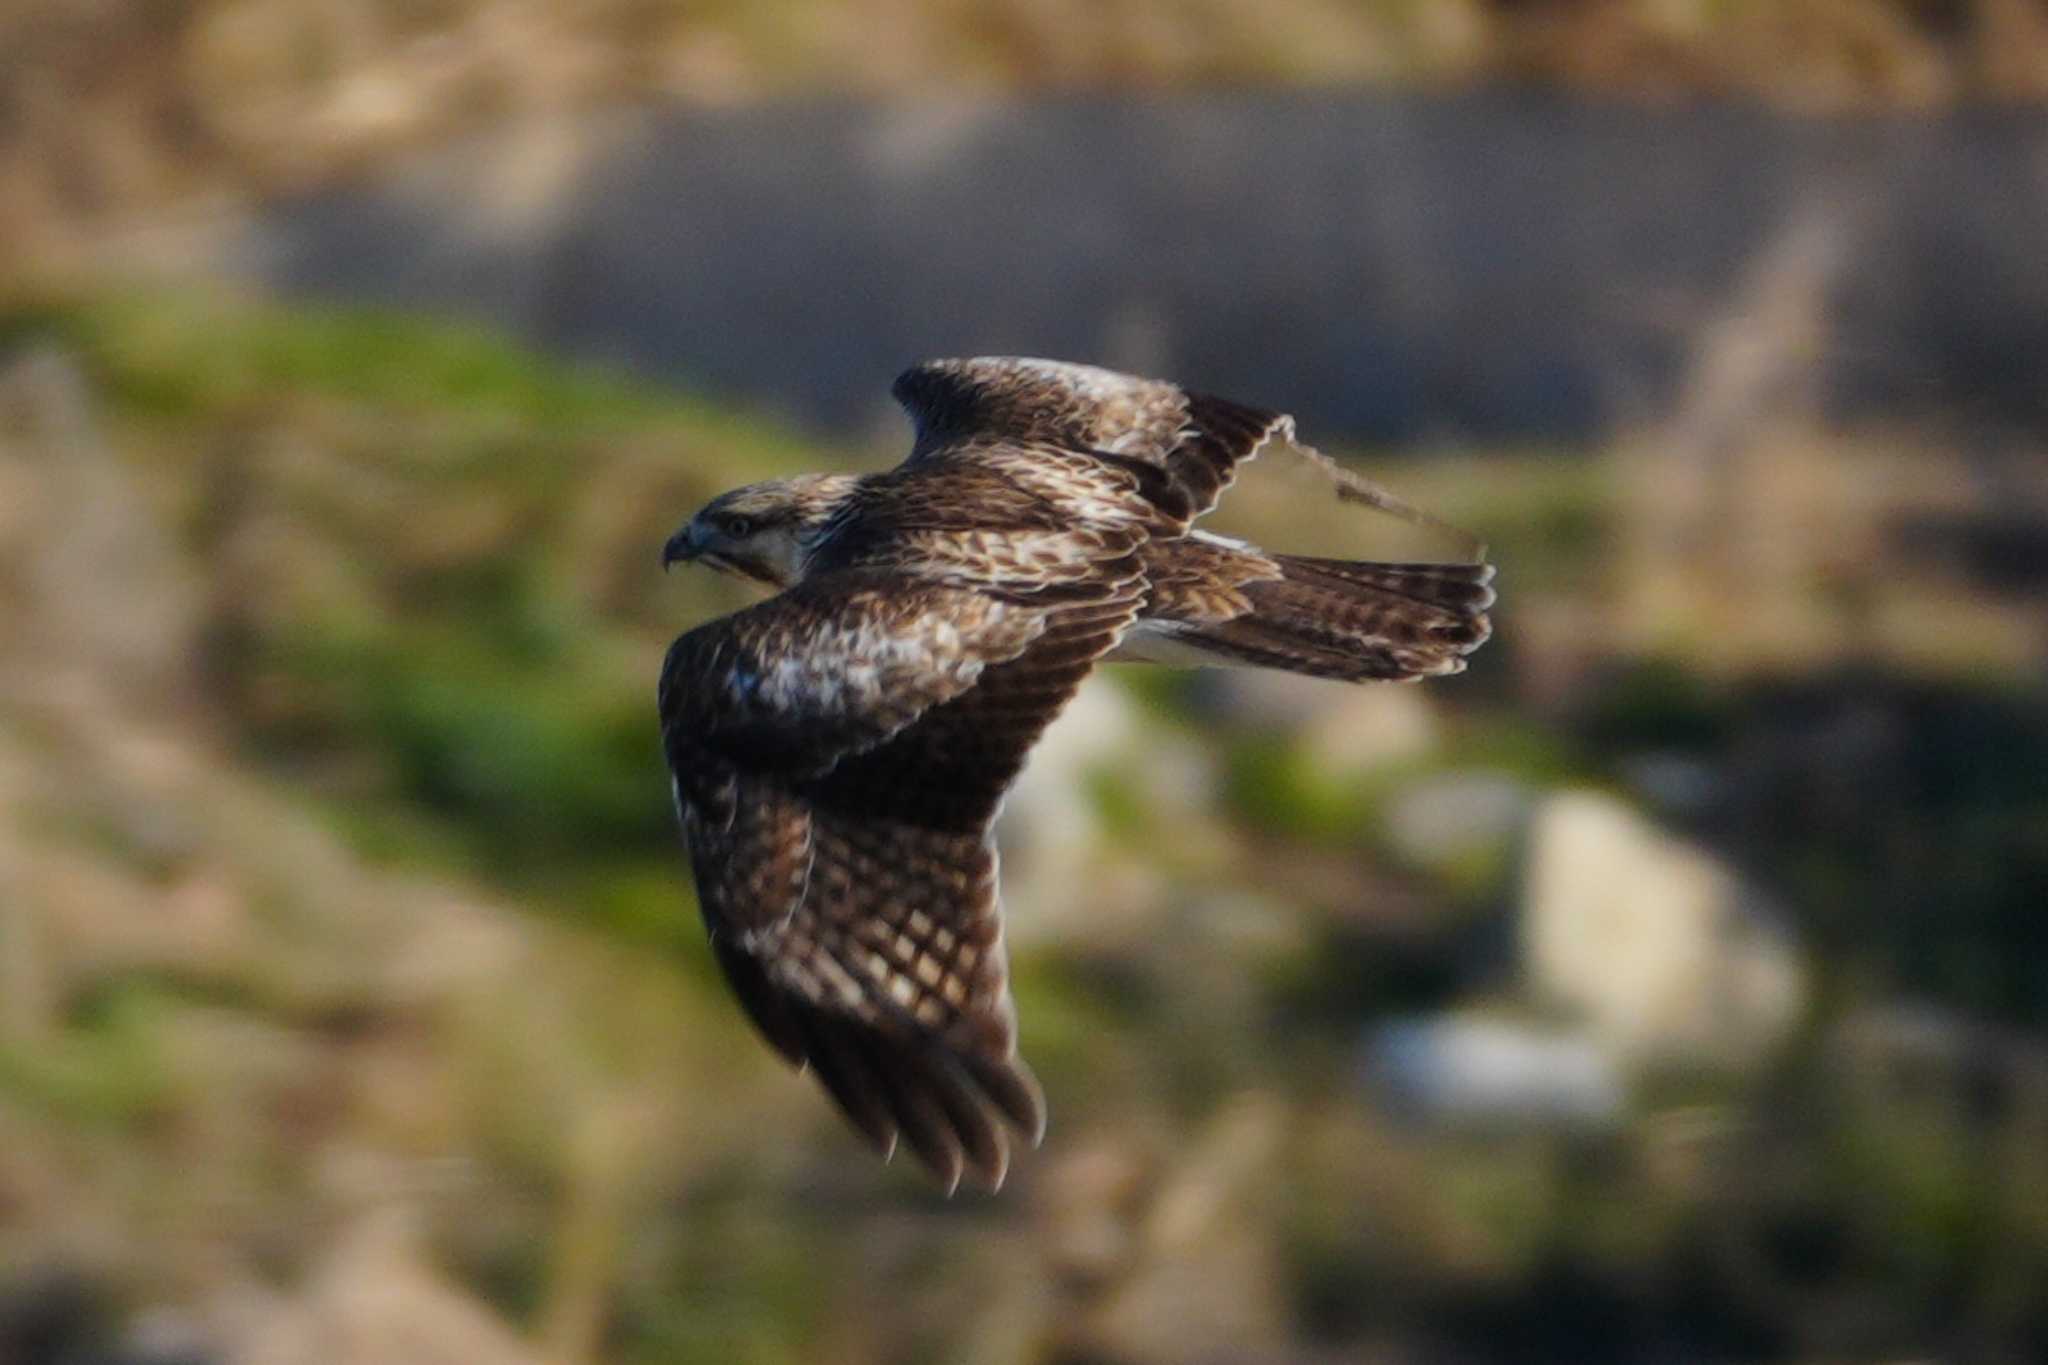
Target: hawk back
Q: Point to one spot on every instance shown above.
(1182, 448)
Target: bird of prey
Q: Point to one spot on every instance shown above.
(840, 749)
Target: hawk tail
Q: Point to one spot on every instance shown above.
(1354, 620)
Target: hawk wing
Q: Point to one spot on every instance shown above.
(1178, 449)
(839, 753)
(1109, 449)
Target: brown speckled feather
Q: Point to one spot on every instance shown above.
(840, 750)
(1047, 421)
(1219, 601)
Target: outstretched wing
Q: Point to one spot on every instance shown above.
(840, 752)
(1180, 450)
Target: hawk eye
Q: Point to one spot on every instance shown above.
(739, 528)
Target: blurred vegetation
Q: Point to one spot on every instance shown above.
(108, 107)
(375, 906)
(428, 487)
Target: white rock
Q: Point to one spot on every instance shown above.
(1050, 826)
(1364, 726)
(1437, 818)
(1660, 947)
(1050, 806)
(1494, 1073)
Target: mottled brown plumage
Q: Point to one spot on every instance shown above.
(841, 749)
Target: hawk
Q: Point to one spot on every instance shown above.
(840, 749)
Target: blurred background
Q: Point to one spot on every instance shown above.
(1672, 987)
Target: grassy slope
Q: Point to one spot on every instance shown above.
(113, 108)
(422, 914)
(432, 556)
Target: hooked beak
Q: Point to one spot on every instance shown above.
(682, 547)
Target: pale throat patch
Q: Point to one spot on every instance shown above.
(779, 553)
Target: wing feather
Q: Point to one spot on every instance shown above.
(1175, 449)
(840, 753)
(834, 1049)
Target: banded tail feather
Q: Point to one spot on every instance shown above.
(1350, 620)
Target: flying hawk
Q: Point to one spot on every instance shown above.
(840, 750)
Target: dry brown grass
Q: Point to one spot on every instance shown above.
(109, 107)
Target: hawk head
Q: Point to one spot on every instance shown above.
(762, 531)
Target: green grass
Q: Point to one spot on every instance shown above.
(104, 1068)
(1275, 785)
(181, 356)
(436, 503)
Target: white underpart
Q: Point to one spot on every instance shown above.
(786, 681)
(1105, 512)
(1166, 642)
(836, 679)
(1227, 542)
(782, 552)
